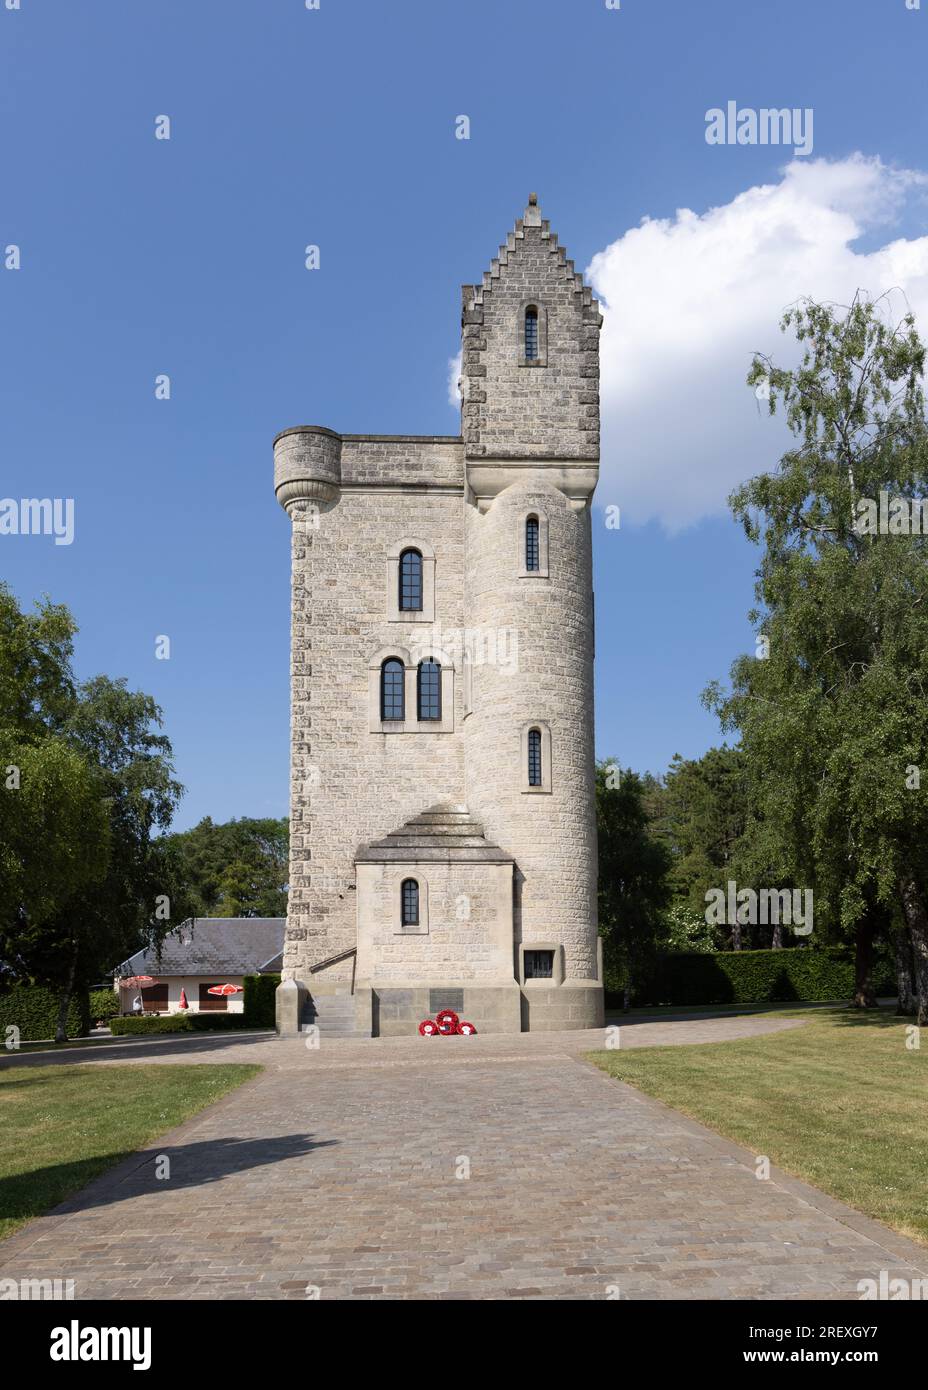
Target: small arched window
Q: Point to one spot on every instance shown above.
(410, 582)
(392, 690)
(531, 333)
(409, 902)
(429, 690)
(534, 757)
(532, 552)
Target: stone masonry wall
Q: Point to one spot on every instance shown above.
(455, 950)
(352, 498)
(348, 785)
(552, 836)
(544, 410)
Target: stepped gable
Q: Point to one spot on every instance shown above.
(508, 413)
(445, 833)
(473, 295)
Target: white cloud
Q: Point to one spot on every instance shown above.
(454, 377)
(688, 300)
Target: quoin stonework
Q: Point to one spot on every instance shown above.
(443, 833)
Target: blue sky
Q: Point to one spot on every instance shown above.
(336, 127)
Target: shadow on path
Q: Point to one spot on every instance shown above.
(196, 1164)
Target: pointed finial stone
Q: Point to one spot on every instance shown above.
(532, 216)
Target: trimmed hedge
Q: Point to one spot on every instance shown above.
(218, 1022)
(182, 1023)
(34, 1011)
(104, 1004)
(754, 977)
(259, 1000)
(154, 1023)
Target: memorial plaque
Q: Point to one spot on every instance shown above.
(445, 999)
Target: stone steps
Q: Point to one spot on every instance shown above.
(334, 1015)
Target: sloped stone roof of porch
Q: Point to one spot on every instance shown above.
(444, 834)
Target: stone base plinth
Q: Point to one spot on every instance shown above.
(289, 1002)
(554, 1008)
(538, 1007)
(397, 1011)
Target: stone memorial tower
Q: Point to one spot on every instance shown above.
(443, 832)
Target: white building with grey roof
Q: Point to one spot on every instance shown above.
(204, 953)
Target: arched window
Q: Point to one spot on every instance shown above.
(429, 690)
(534, 757)
(531, 333)
(392, 684)
(410, 582)
(532, 552)
(409, 902)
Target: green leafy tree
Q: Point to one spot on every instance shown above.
(688, 930)
(36, 684)
(633, 874)
(142, 895)
(236, 869)
(85, 783)
(54, 830)
(704, 820)
(120, 730)
(834, 722)
(54, 833)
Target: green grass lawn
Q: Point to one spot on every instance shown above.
(62, 1126)
(839, 1102)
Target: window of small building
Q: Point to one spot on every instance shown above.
(212, 1002)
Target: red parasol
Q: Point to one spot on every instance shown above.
(136, 982)
(183, 999)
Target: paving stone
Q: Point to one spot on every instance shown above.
(335, 1169)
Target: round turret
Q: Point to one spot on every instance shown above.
(307, 465)
(529, 733)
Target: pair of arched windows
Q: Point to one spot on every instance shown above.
(393, 690)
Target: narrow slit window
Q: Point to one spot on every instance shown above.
(429, 690)
(410, 902)
(531, 334)
(392, 690)
(534, 757)
(410, 581)
(531, 544)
